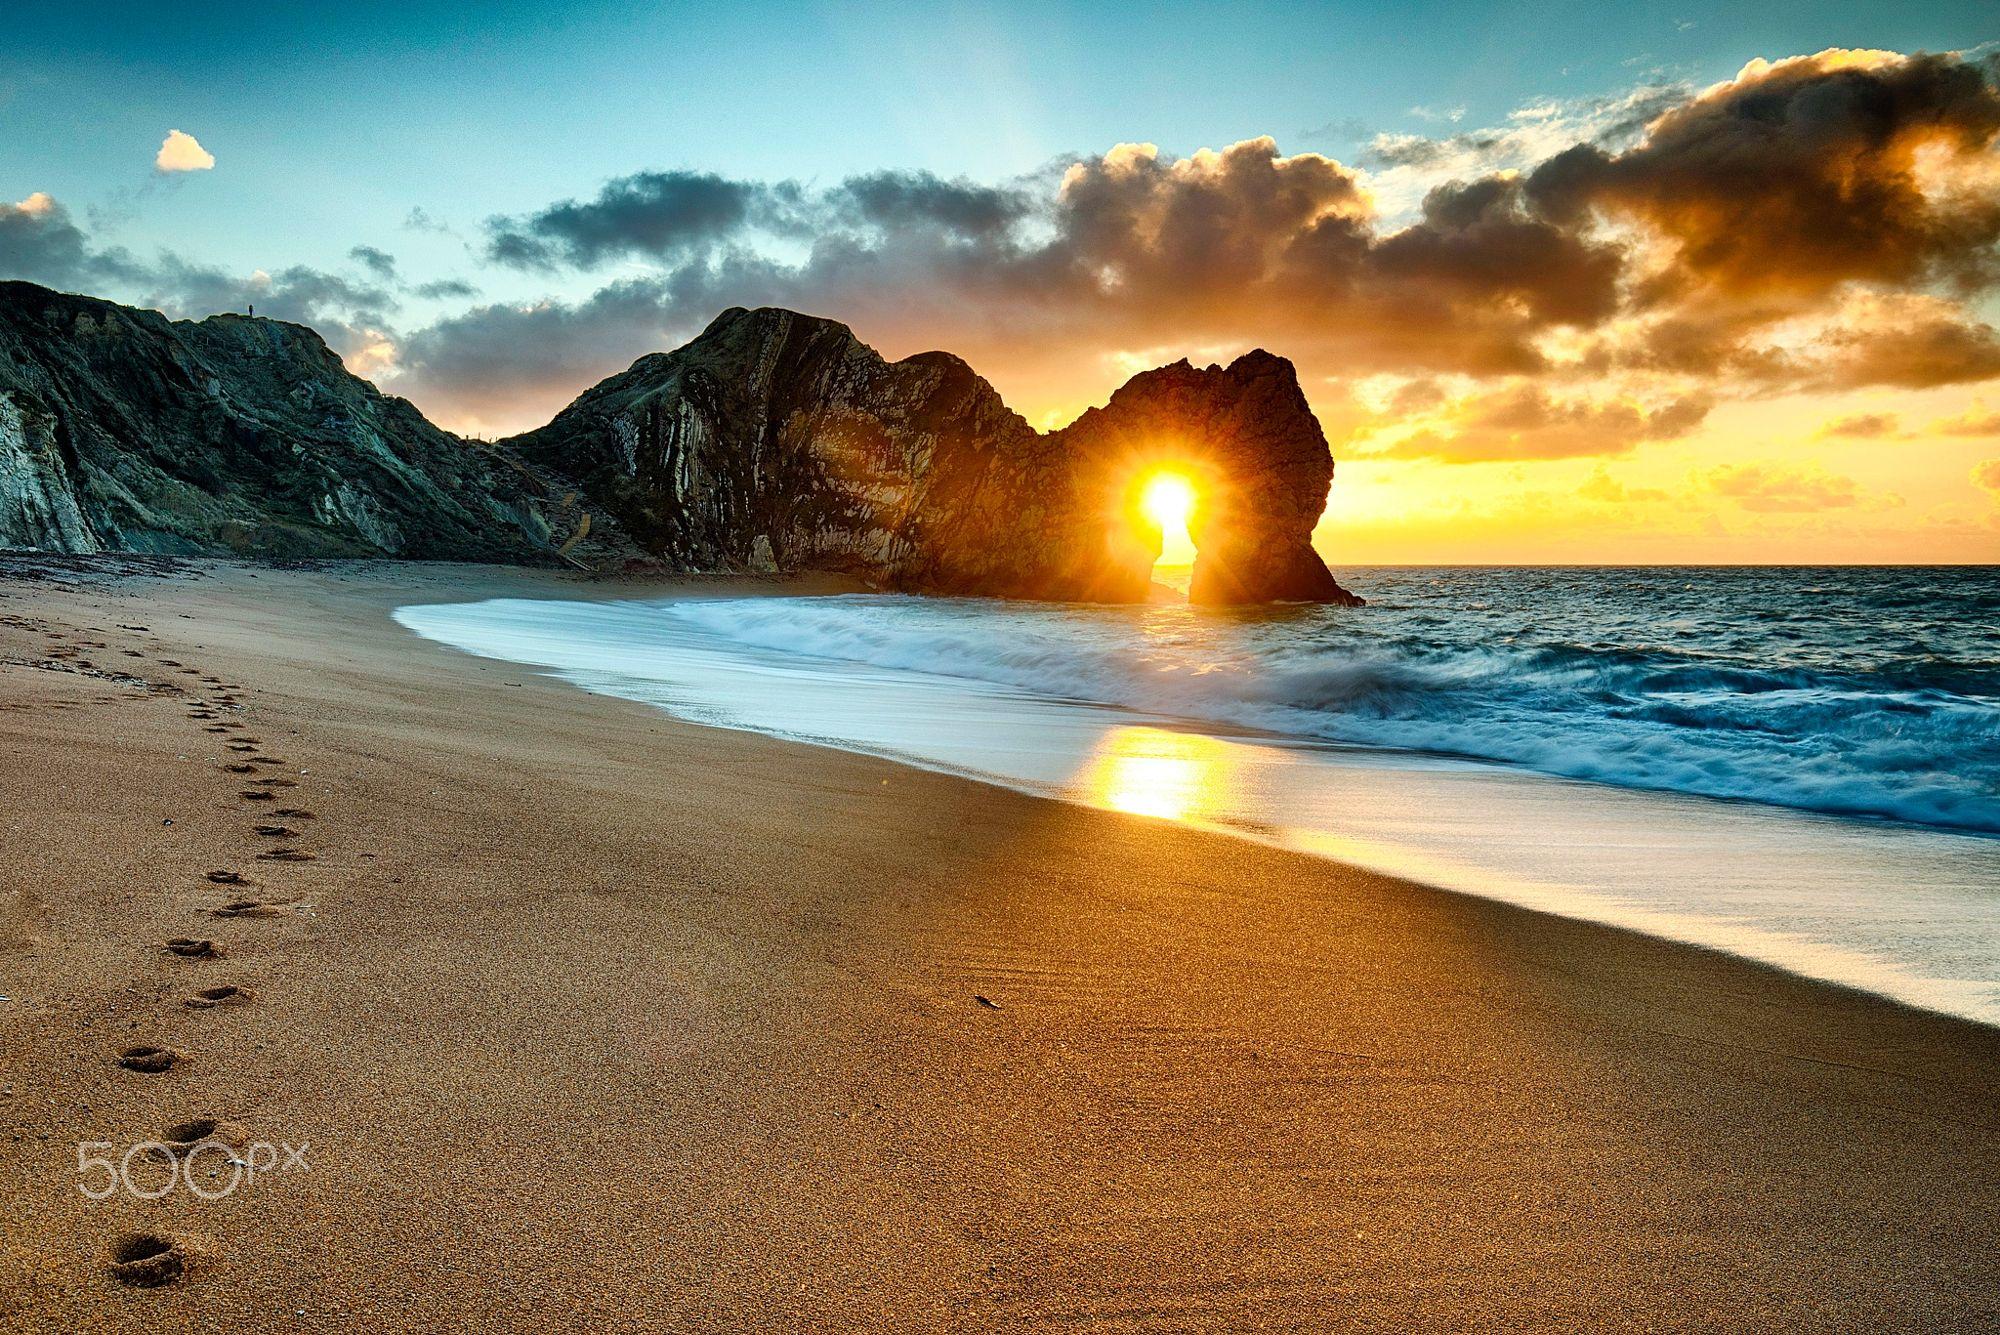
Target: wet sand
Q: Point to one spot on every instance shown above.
(585, 1017)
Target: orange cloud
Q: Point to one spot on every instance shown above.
(1524, 421)
(1861, 426)
(1780, 490)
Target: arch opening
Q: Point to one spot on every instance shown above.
(1167, 500)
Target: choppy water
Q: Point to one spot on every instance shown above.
(1797, 766)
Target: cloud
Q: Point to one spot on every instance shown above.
(1800, 175)
(1779, 490)
(659, 215)
(40, 242)
(510, 364)
(378, 262)
(1978, 420)
(1406, 166)
(440, 289)
(1986, 476)
(1525, 422)
(1910, 343)
(421, 220)
(182, 152)
(1600, 486)
(1861, 426)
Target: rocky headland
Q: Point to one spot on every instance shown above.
(774, 441)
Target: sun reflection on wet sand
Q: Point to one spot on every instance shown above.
(1216, 783)
(1179, 776)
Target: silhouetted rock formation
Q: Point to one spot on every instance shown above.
(1261, 469)
(780, 441)
(774, 441)
(123, 431)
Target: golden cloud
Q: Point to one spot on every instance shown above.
(182, 152)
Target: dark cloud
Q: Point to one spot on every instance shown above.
(654, 215)
(495, 363)
(898, 203)
(445, 288)
(1800, 176)
(40, 242)
(1935, 345)
(378, 262)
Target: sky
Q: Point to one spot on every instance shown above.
(1564, 283)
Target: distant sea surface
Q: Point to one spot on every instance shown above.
(1800, 765)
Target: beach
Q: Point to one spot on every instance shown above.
(573, 1013)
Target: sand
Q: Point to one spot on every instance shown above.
(582, 1017)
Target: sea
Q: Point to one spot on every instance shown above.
(1797, 765)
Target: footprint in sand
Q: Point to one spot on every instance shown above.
(243, 746)
(275, 831)
(227, 995)
(148, 1060)
(147, 1260)
(255, 795)
(286, 855)
(193, 948)
(243, 768)
(183, 1138)
(279, 783)
(247, 908)
(227, 878)
(294, 813)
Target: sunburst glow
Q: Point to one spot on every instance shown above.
(1168, 501)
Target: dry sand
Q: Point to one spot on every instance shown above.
(588, 1018)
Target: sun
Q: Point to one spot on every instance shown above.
(1167, 501)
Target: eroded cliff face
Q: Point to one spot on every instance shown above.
(123, 431)
(774, 441)
(778, 440)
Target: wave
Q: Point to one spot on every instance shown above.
(1909, 737)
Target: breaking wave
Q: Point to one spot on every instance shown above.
(1854, 692)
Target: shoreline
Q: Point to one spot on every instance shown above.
(1898, 909)
(705, 1044)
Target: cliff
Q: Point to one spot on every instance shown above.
(123, 431)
